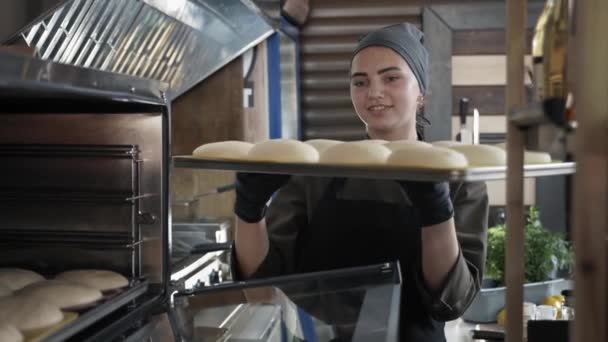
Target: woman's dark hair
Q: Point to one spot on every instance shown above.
(421, 122)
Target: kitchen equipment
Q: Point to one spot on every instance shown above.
(355, 304)
(475, 132)
(84, 185)
(465, 133)
(489, 301)
(185, 210)
(200, 254)
(548, 330)
(216, 191)
(487, 335)
(178, 42)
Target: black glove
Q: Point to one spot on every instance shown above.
(253, 190)
(432, 200)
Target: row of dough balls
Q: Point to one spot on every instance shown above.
(29, 302)
(403, 153)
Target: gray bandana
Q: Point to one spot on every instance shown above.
(406, 40)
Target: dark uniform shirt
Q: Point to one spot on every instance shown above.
(423, 311)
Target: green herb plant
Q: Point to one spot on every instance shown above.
(544, 251)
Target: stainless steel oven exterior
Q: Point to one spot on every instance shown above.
(84, 184)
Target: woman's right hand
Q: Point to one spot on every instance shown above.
(253, 190)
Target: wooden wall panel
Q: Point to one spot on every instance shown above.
(483, 42)
(489, 100)
(213, 111)
(327, 41)
(487, 70)
(255, 123)
(353, 26)
(210, 111)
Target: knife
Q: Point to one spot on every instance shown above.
(465, 134)
(219, 190)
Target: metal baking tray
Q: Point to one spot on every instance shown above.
(375, 172)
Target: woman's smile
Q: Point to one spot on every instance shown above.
(379, 110)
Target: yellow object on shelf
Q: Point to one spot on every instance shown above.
(501, 319)
(556, 301)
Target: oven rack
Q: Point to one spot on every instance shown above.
(61, 150)
(70, 238)
(136, 289)
(73, 196)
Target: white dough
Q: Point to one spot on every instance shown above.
(502, 145)
(8, 333)
(531, 157)
(446, 143)
(356, 153)
(61, 293)
(283, 151)
(28, 313)
(534, 157)
(371, 141)
(399, 144)
(17, 278)
(428, 157)
(98, 279)
(229, 150)
(482, 155)
(322, 144)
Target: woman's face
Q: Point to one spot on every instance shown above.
(385, 93)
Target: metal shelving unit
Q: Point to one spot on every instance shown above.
(586, 60)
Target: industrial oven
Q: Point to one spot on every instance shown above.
(85, 184)
(86, 172)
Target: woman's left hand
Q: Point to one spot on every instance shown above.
(432, 200)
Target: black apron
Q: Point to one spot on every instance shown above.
(349, 233)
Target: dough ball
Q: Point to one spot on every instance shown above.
(482, 155)
(531, 157)
(8, 333)
(502, 145)
(62, 294)
(428, 157)
(17, 278)
(283, 151)
(534, 157)
(101, 280)
(28, 313)
(228, 150)
(371, 141)
(322, 144)
(356, 153)
(446, 143)
(399, 144)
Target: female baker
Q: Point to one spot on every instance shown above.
(437, 231)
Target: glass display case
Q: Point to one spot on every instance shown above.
(355, 304)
